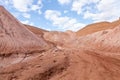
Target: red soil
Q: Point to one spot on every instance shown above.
(24, 55)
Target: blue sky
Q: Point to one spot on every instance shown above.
(62, 15)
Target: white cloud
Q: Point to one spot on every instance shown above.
(65, 23)
(39, 12)
(35, 7)
(97, 10)
(64, 1)
(39, 2)
(27, 5)
(27, 22)
(107, 10)
(5, 3)
(26, 15)
(65, 11)
(51, 13)
(80, 5)
(22, 5)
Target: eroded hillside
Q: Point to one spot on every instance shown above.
(97, 27)
(35, 54)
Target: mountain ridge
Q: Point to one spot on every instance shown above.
(29, 53)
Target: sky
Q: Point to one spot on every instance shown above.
(62, 15)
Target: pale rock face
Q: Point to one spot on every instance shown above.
(106, 40)
(63, 39)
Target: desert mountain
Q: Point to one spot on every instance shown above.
(15, 37)
(106, 40)
(25, 53)
(97, 27)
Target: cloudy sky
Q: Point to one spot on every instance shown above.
(63, 14)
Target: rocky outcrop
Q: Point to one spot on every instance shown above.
(15, 37)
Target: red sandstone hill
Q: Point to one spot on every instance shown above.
(36, 30)
(60, 38)
(91, 57)
(106, 40)
(15, 37)
(97, 27)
